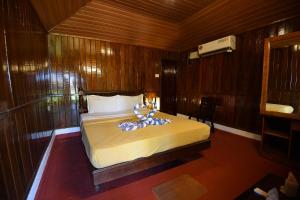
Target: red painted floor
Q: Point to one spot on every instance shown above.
(226, 169)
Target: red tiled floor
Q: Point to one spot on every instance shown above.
(226, 169)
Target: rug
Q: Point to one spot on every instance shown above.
(183, 187)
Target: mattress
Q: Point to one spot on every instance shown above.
(106, 144)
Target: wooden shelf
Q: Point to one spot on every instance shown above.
(292, 116)
(277, 133)
(295, 126)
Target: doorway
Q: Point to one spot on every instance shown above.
(168, 87)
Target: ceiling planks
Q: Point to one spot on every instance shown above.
(226, 17)
(53, 12)
(110, 23)
(164, 24)
(167, 10)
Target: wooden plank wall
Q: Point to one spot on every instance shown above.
(100, 66)
(25, 109)
(30, 91)
(234, 79)
(284, 73)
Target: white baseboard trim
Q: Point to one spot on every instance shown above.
(67, 130)
(238, 132)
(40, 171)
(184, 116)
(230, 129)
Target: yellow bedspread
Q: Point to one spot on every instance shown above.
(106, 144)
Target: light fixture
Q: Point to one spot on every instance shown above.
(152, 97)
(281, 31)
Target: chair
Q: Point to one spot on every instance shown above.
(206, 111)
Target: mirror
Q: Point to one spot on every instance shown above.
(281, 76)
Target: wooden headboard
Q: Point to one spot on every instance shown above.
(83, 93)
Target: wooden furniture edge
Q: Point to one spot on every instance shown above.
(291, 116)
(269, 43)
(285, 40)
(266, 63)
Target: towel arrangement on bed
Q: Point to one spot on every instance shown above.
(143, 120)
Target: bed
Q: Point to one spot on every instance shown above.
(114, 153)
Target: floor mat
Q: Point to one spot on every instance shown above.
(183, 187)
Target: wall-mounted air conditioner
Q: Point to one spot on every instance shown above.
(226, 44)
(193, 55)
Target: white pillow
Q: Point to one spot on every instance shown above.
(102, 104)
(279, 108)
(128, 102)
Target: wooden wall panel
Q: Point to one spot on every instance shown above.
(25, 133)
(234, 79)
(25, 108)
(100, 66)
(5, 94)
(226, 17)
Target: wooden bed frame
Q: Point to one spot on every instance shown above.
(114, 172)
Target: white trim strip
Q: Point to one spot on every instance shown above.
(230, 129)
(40, 171)
(67, 130)
(182, 115)
(238, 132)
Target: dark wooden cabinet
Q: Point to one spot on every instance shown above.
(279, 86)
(281, 128)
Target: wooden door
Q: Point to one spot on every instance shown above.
(168, 87)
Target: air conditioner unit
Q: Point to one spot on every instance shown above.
(225, 44)
(193, 55)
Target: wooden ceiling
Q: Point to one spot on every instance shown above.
(167, 10)
(164, 24)
(109, 23)
(232, 17)
(53, 12)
